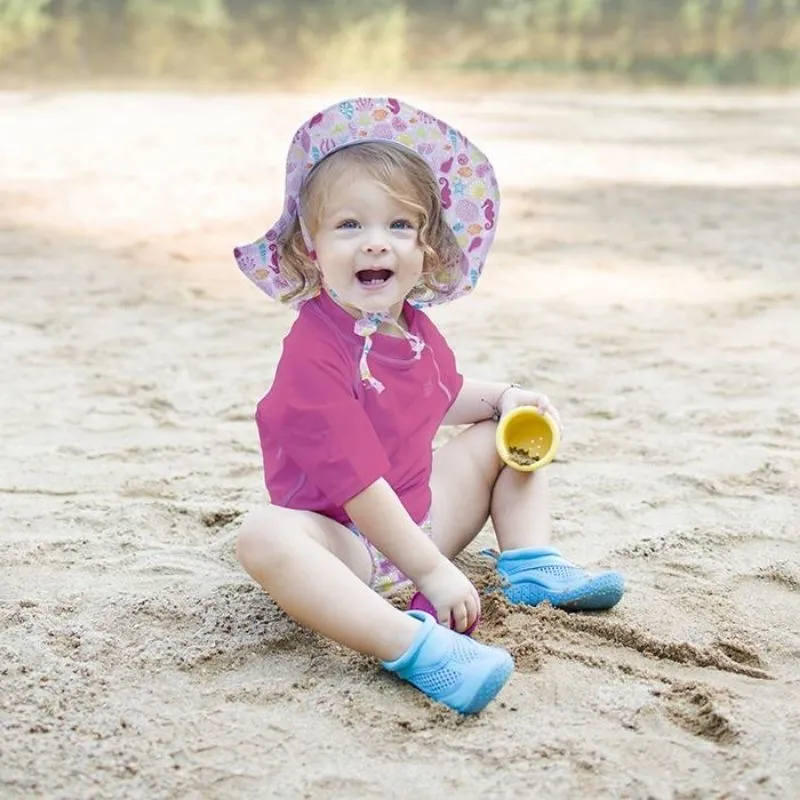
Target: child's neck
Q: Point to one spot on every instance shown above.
(392, 330)
(386, 328)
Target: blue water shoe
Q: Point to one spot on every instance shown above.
(452, 668)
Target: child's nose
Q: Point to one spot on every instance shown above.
(376, 247)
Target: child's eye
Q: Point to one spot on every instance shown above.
(347, 224)
(403, 224)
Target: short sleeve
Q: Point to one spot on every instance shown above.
(313, 415)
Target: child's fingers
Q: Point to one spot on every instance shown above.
(464, 616)
(546, 407)
(477, 604)
(543, 403)
(461, 618)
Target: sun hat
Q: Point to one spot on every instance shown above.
(467, 185)
(468, 190)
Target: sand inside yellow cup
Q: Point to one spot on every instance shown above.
(527, 439)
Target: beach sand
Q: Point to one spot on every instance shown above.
(646, 276)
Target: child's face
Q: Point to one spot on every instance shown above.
(367, 246)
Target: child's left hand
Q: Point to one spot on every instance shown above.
(517, 396)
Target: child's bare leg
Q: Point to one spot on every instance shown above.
(521, 509)
(469, 482)
(317, 571)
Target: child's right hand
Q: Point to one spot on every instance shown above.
(450, 593)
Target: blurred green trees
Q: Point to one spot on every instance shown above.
(268, 41)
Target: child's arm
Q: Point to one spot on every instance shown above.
(475, 402)
(378, 513)
(382, 518)
(478, 400)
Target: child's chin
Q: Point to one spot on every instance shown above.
(378, 304)
(382, 301)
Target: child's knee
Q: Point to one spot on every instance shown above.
(268, 538)
(485, 433)
(486, 426)
(483, 450)
(254, 535)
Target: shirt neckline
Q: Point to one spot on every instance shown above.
(382, 343)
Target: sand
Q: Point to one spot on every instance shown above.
(646, 276)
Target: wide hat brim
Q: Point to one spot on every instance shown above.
(467, 186)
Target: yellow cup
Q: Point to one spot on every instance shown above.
(527, 439)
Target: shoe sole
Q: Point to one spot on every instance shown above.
(490, 687)
(598, 594)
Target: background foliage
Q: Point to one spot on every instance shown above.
(271, 41)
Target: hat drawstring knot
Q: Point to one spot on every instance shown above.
(366, 327)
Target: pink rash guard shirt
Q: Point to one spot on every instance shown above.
(326, 436)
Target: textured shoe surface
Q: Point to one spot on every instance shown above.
(452, 668)
(538, 575)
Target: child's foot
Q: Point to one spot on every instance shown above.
(452, 668)
(538, 575)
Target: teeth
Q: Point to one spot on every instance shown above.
(374, 276)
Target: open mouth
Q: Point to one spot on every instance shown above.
(374, 277)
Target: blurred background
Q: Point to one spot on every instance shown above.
(298, 43)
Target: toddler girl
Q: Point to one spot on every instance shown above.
(389, 210)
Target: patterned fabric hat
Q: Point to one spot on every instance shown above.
(467, 186)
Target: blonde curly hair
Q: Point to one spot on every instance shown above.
(406, 178)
